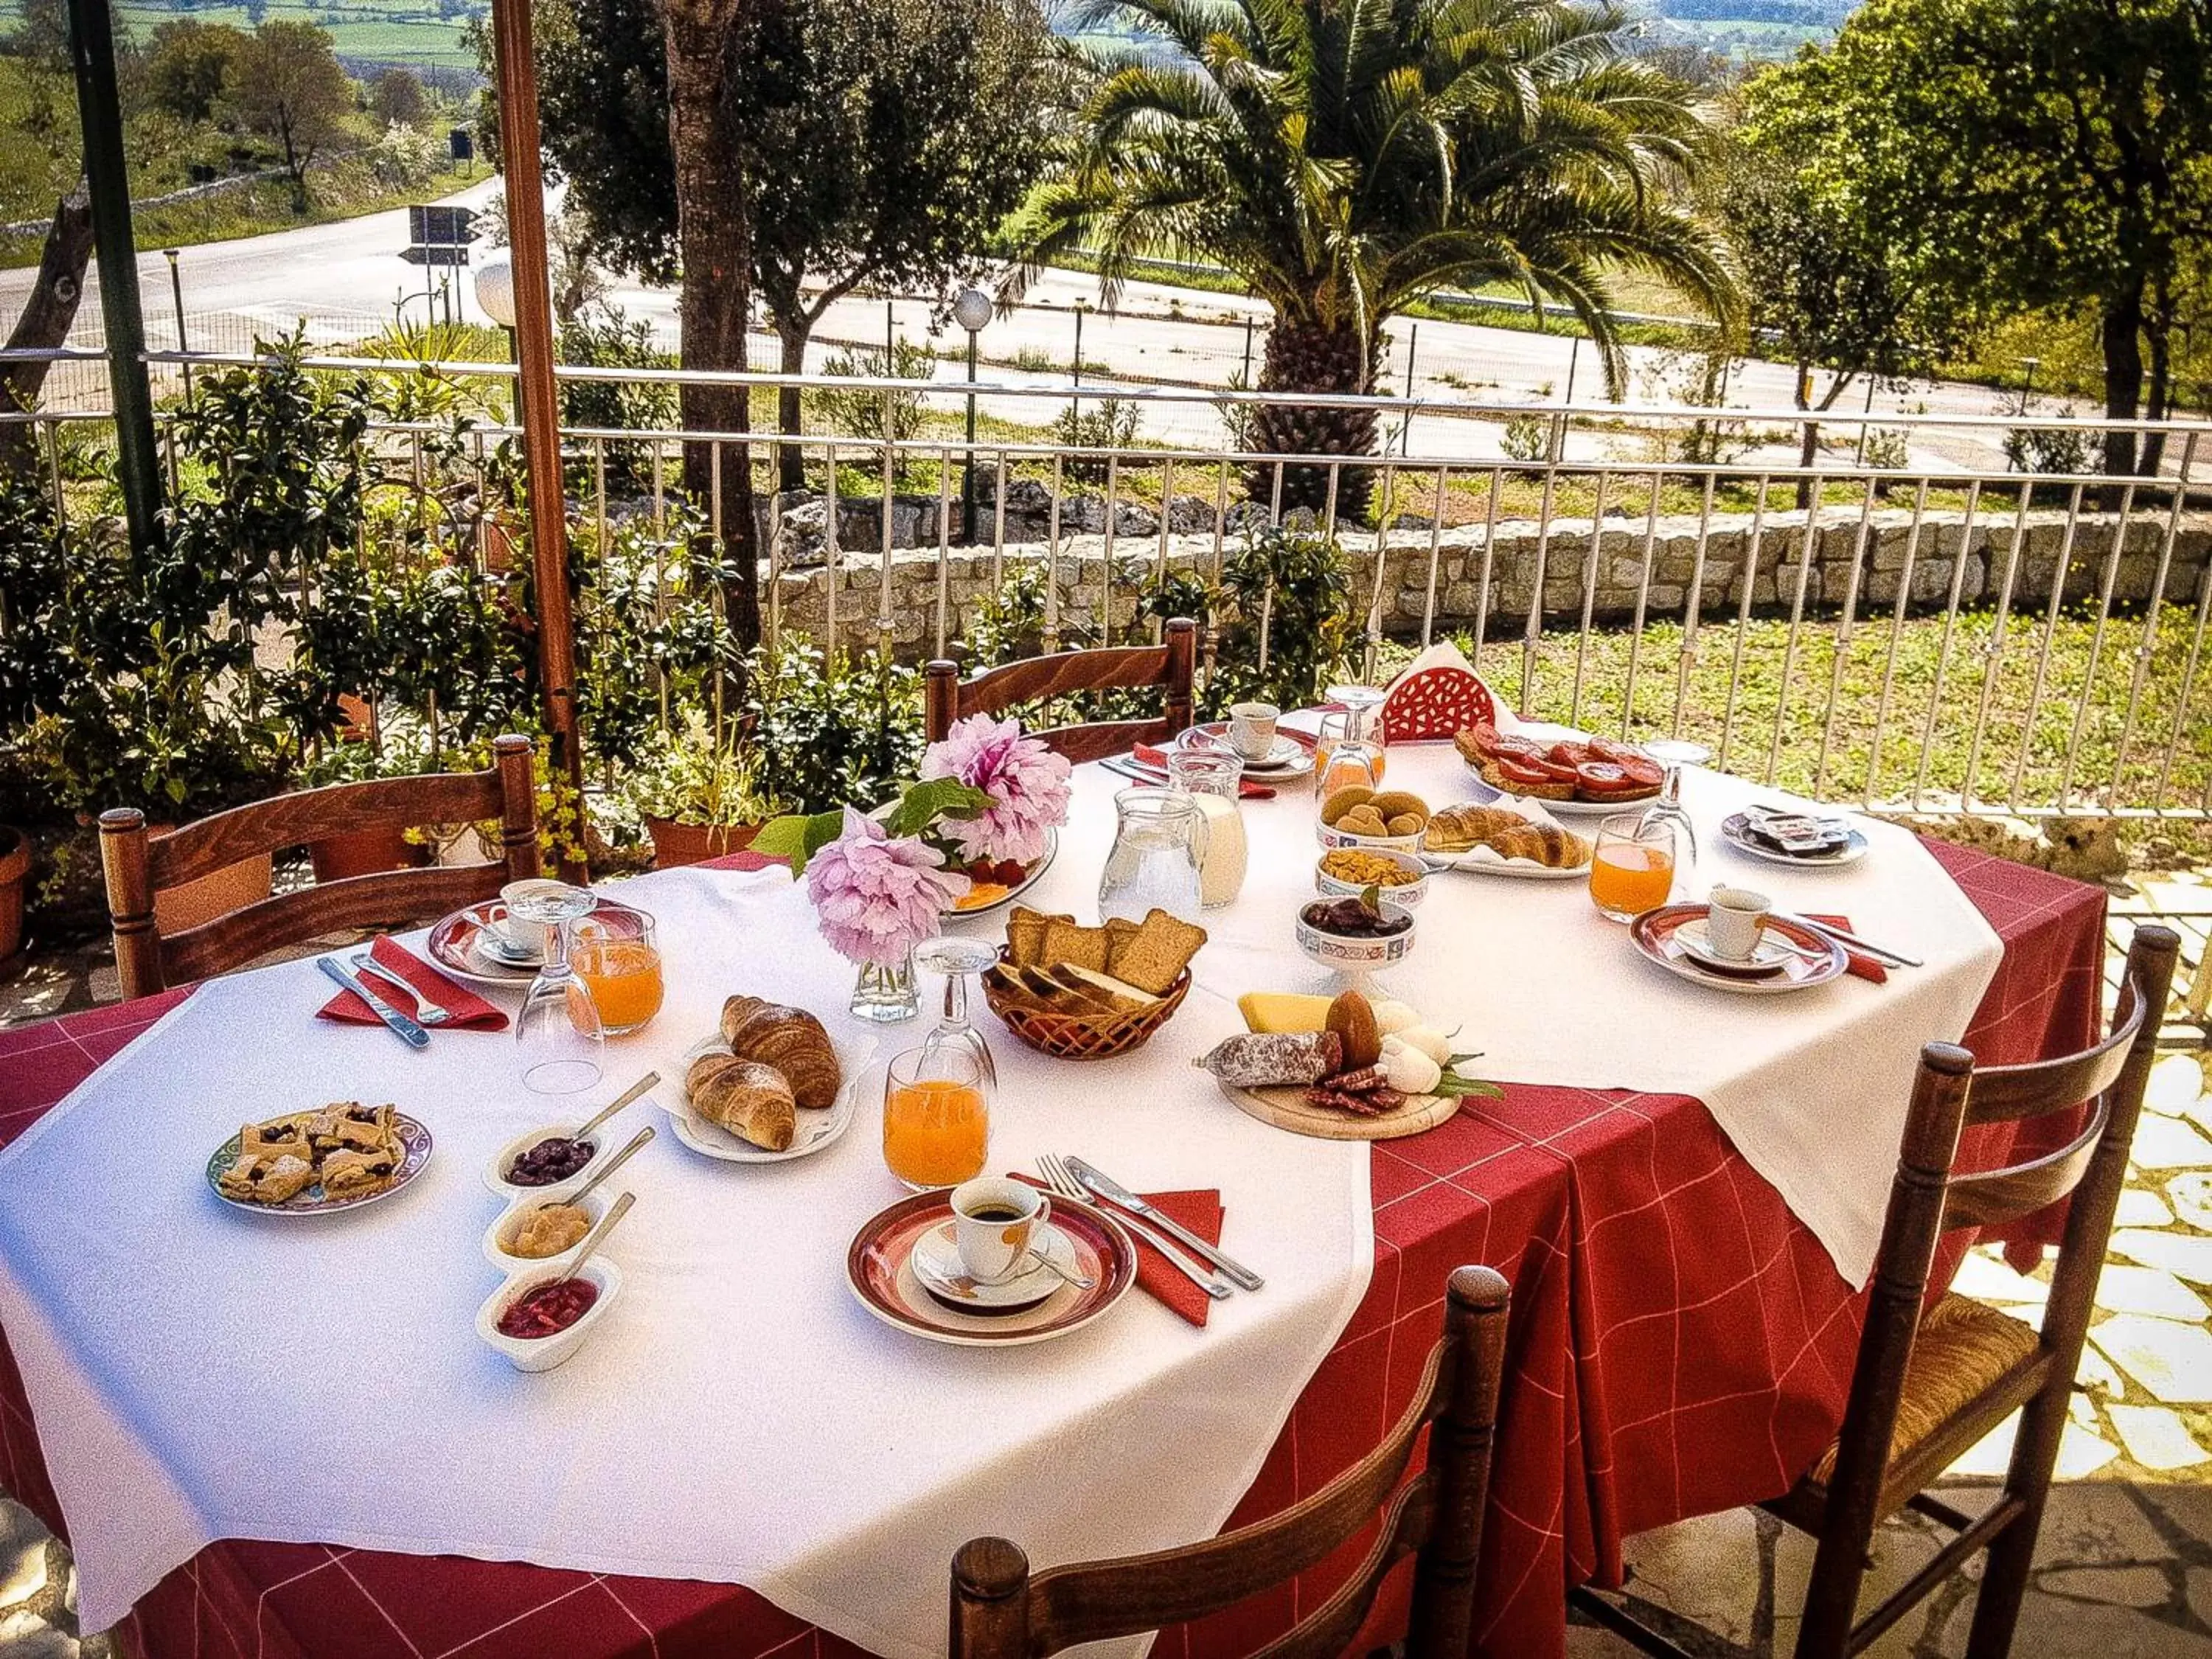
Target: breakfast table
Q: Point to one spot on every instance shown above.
(1680, 1189)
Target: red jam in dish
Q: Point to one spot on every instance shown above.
(549, 1308)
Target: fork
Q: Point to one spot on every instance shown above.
(427, 1012)
(1057, 1176)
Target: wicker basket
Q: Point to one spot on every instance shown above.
(1086, 1037)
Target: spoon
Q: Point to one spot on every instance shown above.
(597, 1235)
(621, 1101)
(611, 1166)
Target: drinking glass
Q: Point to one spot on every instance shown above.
(1158, 851)
(1632, 867)
(1363, 705)
(937, 1117)
(1669, 810)
(617, 955)
(559, 1031)
(958, 959)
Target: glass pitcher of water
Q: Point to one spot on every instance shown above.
(1158, 852)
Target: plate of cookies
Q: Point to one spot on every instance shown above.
(338, 1156)
(768, 1086)
(1515, 839)
(1080, 993)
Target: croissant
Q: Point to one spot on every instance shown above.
(751, 1101)
(789, 1039)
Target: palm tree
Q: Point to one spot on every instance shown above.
(1344, 157)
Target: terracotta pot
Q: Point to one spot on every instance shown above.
(14, 876)
(675, 843)
(216, 893)
(366, 852)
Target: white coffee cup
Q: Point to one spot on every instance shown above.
(995, 1222)
(517, 937)
(1252, 729)
(1733, 924)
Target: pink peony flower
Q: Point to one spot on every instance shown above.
(875, 898)
(1026, 781)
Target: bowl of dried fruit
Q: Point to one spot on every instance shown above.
(1387, 821)
(1348, 872)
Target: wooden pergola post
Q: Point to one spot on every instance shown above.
(536, 401)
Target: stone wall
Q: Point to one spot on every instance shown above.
(1945, 552)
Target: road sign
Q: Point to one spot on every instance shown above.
(463, 145)
(438, 235)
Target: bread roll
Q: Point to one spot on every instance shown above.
(789, 1039)
(751, 1100)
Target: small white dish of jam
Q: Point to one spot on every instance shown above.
(539, 1319)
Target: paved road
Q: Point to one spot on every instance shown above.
(350, 277)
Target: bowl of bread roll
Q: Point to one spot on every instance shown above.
(1079, 993)
(1504, 842)
(769, 1085)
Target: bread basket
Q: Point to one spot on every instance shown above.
(1085, 1036)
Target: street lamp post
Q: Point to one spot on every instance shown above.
(2028, 381)
(495, 287)
(971, 311)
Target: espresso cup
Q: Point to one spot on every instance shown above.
(995, 1222)
(516, 936)
(1733, 924)
(1252, 729)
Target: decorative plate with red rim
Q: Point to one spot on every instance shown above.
(1291, 757)
(456, 944)
(1815, 960)
(879, 1268)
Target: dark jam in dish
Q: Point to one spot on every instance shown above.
(549, 1310)
(551, 1160)
(1349, 918)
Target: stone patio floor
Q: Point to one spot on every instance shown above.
(2123, 1570)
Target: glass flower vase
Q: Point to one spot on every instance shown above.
(887, 993)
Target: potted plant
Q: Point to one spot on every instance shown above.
(700, 797)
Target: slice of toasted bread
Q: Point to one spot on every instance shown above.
(1118, 995)
(1159, 950)
(1083, 946)
(1552, 790)
(1025, 933)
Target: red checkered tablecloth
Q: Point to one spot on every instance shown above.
(1679, 1344)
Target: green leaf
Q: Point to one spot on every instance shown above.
(796, 836)
(1453, 1087)
(923, 804)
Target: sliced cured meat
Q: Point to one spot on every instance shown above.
(1569, 754)
(1604, 778)
(1644, 770)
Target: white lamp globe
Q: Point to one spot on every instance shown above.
(495, 287)
(972, 310)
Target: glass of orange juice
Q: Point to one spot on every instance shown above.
(1344, 733)
(618, 955)
(1633, 868)
(937, 1117)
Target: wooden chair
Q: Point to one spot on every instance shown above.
(1932, 1379)
(138, 866)
(1001, 1610)
(1169, 663)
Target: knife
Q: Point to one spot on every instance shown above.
(1880, 953)
(1115, 1193)
(1137, 769)
(407, 1031)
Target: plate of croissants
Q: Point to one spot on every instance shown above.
(1518, 840)
(770, 1086)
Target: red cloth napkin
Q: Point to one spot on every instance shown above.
(1144, 755)
(471, 1012)
(1201, 1210)
(1860, 964)
(744, 860)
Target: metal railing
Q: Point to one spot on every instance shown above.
(1937, 635)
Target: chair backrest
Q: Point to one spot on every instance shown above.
(1928, 1199)
(139, 865)
(1001, 1610)
(1172, 665)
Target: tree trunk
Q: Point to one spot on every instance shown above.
(715, 243)
(1305, 357)
(1809, 440)
(791, 459)
(44, 325)
(2123, 374)
(2159, 406)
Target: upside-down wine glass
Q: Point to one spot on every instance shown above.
(958, 959)
(559, 1032)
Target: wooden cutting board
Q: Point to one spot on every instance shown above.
(1287, 1108)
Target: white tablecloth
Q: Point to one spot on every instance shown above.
(198, 1373)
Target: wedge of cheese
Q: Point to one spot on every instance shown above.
(1283, 1011)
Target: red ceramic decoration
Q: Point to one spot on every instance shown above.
(1437, 703)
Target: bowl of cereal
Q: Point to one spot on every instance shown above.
(1348, 872)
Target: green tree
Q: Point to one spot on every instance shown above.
(186, 64)
(286, 84)
(1344, 157)
(2025, 155)
(1822, 287)
(397, 95)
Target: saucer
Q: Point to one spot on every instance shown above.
(1768, 956)
(936, 1264)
